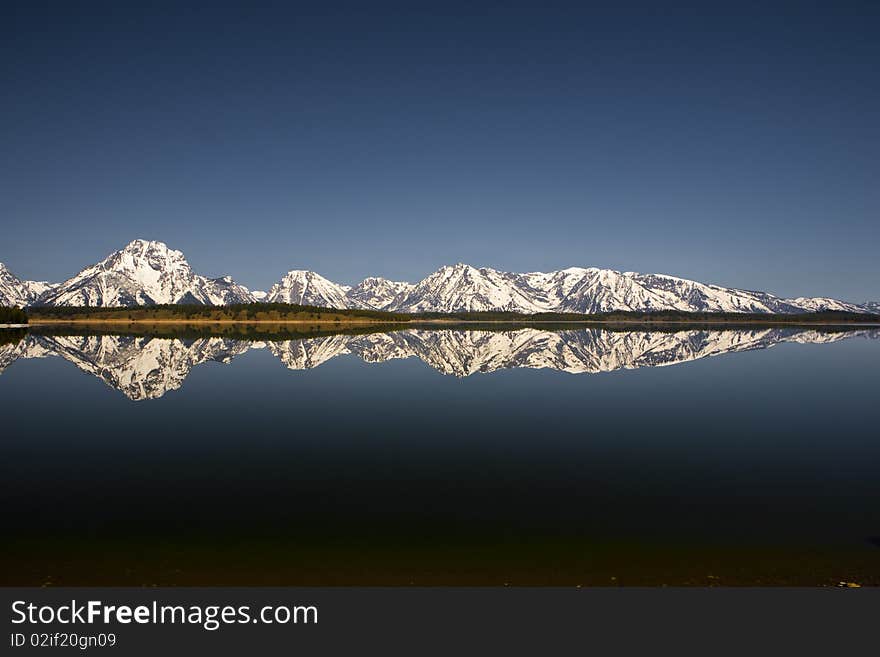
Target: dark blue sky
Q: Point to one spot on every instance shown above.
(738, 145)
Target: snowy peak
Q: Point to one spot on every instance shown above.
(461, 287)
(141, 274)
(17, 292)
(307, 288)
(223, 292)
(13, 291)
(376, 293)
(38, 288)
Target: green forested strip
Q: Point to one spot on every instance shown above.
(289, 312)
(12, 315)
(238, 312)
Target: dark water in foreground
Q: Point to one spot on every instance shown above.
(442, 457)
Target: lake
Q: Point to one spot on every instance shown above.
(494, 455)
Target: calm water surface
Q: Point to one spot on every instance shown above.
(525, 456)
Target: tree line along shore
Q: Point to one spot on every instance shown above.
(12, 315)
(281, 312)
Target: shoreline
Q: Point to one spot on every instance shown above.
(433, 322)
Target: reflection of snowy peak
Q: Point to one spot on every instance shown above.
(147, 368)
(308, 353)
(139, 367)
(461, 353)
(143, 274)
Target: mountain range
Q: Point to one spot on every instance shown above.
(147, 367)
(148, 273)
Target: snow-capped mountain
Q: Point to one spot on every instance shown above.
(38, 289)
(376, 293)
(307, 288)
(464, 288)
(144, 273)
(17, 292)
(591, 290)
(602, 290)
(147, 368)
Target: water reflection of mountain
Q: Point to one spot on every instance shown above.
(139, 367)
(148, 367)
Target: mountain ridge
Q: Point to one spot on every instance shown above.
(148, 273)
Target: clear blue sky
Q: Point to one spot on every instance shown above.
(738, 144)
